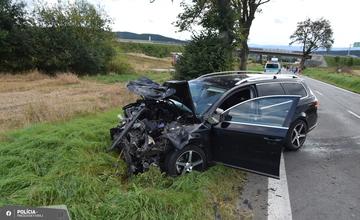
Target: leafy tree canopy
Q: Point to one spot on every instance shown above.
(204, 54)
(15, 39)
(61, 37)
(312, 35)
(231, 19)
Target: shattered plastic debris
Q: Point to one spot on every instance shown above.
(151, 126)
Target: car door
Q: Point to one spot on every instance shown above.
(251, 134)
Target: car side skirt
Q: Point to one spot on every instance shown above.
(251, 171)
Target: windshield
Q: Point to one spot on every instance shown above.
(272, 66)
(204, 94)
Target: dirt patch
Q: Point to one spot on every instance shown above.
(142, 62)
(356, 72)
(35, 97)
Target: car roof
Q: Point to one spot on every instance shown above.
(231, 79)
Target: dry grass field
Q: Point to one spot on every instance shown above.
(141, 62)
(35, 97)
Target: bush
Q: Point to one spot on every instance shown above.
(119, 65)
(63, 37)
(16, 43)
(205, 53)
(73, 37)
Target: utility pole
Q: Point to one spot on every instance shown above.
(349, 50)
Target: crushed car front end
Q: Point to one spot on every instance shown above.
(163, 120)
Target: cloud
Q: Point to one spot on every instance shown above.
(273, 25)
(279, 20)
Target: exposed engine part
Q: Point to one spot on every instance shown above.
(147, 132)
(150, 127)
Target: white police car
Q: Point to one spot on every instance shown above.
(272, 66)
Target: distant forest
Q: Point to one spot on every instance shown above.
(145, 37)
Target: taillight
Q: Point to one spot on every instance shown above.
(316, 103)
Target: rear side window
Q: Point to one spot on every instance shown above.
(294, 89)
(270, 89)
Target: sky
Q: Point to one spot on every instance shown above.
(272, 26)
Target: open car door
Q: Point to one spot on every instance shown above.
(251, 134)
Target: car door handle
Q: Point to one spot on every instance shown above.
(272, 139)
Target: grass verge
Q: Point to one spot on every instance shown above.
(115, 78)
(344, 80)
(335, 61)
(255, 67)
(150, 49)
(66, 163)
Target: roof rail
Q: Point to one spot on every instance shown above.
(228, 72)
(264, 76)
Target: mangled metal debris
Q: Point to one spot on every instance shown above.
(154, 124)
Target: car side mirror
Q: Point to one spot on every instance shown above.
(216, 117)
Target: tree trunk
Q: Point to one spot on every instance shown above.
(244, 53)
(302, 63)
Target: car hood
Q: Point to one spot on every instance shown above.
(149, 89)
(176, 90)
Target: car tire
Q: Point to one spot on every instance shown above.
(182, 161)
(297, 135)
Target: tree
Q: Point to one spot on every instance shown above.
(245, 14)
(16, 45)
(205, 53)
(232, 19)
(72, 37)
(312, 35)
(61, 37)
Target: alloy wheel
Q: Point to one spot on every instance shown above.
(298, 135)
(188, 161)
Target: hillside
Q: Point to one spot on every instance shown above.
(145, 37)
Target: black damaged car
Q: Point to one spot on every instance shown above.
(238, 119)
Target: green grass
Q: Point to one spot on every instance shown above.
(343, 80)
(115, 78)
(334, 61)
(154, 50)
(66, 163)
(255, 67)
(119, 64)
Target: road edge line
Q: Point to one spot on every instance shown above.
(354, 114)
(279, 206)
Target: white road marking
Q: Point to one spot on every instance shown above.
(354, 114)
(278, 196)
(319, 93)
(344, 90)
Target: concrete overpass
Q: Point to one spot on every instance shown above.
(275, 52)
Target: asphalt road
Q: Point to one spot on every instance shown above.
(322, 178)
